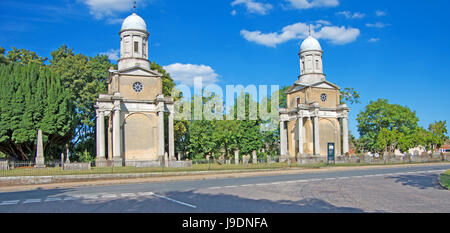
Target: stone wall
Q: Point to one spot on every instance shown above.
(139, 164)
(180, 164)
(310, 159)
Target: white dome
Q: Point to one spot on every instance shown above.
(134, 22)
(309, 44)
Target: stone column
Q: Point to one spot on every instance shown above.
(283, 139)
(171, 136)
(101, 135)
(316, 136)
(110, 137)
(40, 161)
(294, 142)
(345, 135)
(161, 149)
(116, 133)
(300, 136)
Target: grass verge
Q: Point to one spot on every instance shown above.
(445, 179)
(29, 171)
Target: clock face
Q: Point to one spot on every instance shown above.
(323, 97)
(138, 87)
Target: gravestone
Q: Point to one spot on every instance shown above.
(245, 159)
(269, 159)
(255, 158)
(236, 157)
(77, 166)
(62, 159)
(4, 165)
(166, 160)
(179, 156)
(221, 159)
(40, 163)
(228, 161)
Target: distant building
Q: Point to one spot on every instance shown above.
(445, 149)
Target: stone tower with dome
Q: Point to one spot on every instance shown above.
(130, 117)
(314, 121)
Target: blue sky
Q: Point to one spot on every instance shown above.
(396, 50)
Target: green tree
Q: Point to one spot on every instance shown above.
(3, 59)
(437, 134)
(85, 78)
(23, 56)
(400, 121)
(33, 98)
(350, 96)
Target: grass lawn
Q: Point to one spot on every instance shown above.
(445, 179)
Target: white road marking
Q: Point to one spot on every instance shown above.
(145, 194)
(109, 196)
(29, 201)
(50, 199)
(13, 202)
(276, 183)
(128, 195)
(231, 186)
(71, 198)
(90, 196)
(173, 200)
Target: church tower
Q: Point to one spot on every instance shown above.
(311, 68)
(315, 121)
(133, 43)
(134, 107)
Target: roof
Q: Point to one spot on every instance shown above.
(310, 44)
(134, 22)
(323, 84)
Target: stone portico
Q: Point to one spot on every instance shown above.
(314, 116)
(131, 124)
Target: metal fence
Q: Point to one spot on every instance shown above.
(14, 168)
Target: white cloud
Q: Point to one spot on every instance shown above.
(293, 31)
(338, 35)
(234, 12)
(373, 40)
(113, 54)
(333, 34)
(323, 22)
(254, 7)
(380, 13)
(377, 25)
(107, 8)
(307, 4)
(350, 15)
(186, 73)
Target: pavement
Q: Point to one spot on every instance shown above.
(397, 189)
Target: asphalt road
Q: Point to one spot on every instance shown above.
(394, 189)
